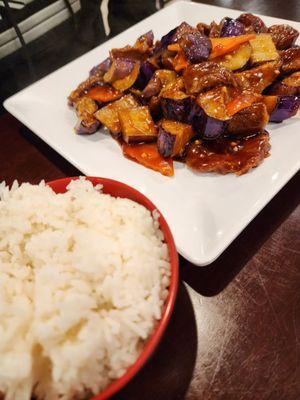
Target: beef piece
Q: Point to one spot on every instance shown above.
(226, 156)
(290, 60)
(206, 75)
(284, 36)
(248, 121)
(252, 23)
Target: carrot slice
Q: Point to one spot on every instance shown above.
(225, 45)
(174, 47)
(148, 156)
(104, 93)
(240, 102)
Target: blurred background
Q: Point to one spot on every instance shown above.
(39, 36)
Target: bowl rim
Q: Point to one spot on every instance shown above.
(153, 341)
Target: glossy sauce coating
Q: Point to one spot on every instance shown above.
(224, 156)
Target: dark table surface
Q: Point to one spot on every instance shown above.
(235, 331)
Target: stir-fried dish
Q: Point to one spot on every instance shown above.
(201, 95)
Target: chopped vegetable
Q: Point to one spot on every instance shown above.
(172, 137)
(286, 107)
(101, 68)
(145, 74)
(85, 109)
(196, 47)
(120, 68)
(237, 59)
(257, 79)
(263, 49)
(137, 125)
(207, 127)
(109, 115)
(148, 155)
(231, 27)
(214, 102)
(175, 105)
(244, 100)
(225, 45)
(126, 83)
(104, 93)
(293, 80)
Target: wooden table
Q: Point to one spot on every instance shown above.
(235, 331)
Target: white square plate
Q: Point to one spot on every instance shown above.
(205, 211)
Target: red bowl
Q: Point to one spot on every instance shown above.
(119, 189)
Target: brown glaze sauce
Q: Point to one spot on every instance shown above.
(225, 155)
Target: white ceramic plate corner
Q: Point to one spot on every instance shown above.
(205, 212)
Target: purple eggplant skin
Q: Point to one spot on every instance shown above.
(196, 47)
(207, 127)
(282, 89)
(146, 72)
(149, 37)
(102, 67)
(82, 129)
(286, 107)
(165, 143)
(231, 27)
(173, 36)
(165, 41)
(177, 110)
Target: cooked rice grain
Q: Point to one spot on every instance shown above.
(83, 277)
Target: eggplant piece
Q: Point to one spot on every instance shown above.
(258, 78)
(231, 27)
(284, 36)
(263, 49)
(237, 59)
(281, 89)
(290, 60)
(207, 127)
(109, 115)
(129, 80)
(84, 87)
(252, 23)
(145, 39)
(85, 109)
(120, 68)
(286, 107)
(214, 101)
(160, 79)
(137, 125)
(145, 74)
(204, 76)
(155, 108)
(173, 36)
(175, 105)
(172, 137)
(196, 47)
(248, 121)
(101, 68)
(290, 86)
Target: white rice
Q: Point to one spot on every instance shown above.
(83, 277)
